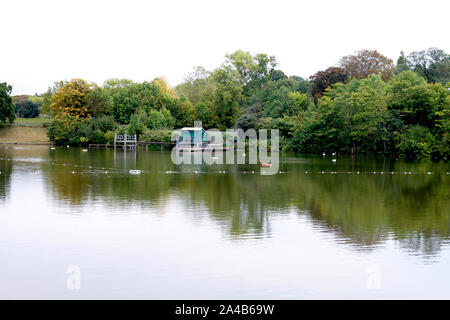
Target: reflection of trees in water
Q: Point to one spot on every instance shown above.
(369, 209)
(418, 242)
(364, 209)
(346, 232)
(231, 200)
(6, 168)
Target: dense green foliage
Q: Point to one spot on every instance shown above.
(6, 103)
(405, 116)
(27, 106)
(432, 64)
(364, 105)
(85, 113)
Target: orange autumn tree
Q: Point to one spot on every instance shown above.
(70, 100)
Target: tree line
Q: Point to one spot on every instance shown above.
(365, 104)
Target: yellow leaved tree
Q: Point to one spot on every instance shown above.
(164, 87)
(70, 100)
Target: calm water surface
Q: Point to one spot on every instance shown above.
(317, 230)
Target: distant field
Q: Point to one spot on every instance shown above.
(23, 134)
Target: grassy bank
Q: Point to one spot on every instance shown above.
(32, 122)
(29, 134)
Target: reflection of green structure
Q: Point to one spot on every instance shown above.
(193, 137)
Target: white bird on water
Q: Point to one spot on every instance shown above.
(334, 160)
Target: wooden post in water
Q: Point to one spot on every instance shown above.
(125, 142)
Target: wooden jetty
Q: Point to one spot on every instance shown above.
(145, 145)
(142, 144)
(187, 143)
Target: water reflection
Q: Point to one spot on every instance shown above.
(6, 168)
(363, 202)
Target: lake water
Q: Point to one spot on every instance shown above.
(316, 230)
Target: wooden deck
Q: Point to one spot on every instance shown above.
(101, 145)
(142, 144)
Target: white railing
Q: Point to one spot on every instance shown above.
(125, 139)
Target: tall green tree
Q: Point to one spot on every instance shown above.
(432, 64)
(123, 94)
(402, 63)
(226, 97)
(303, 85)
(348, 118)
(417, 102)
(252, 71)
(197, 85)
(6, 105)
(161, 119)
(99, 102)
(280, 99)
(370, 117)
(47, 96)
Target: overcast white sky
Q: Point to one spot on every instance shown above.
(45, 41)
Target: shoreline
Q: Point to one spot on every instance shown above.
(29, 143)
